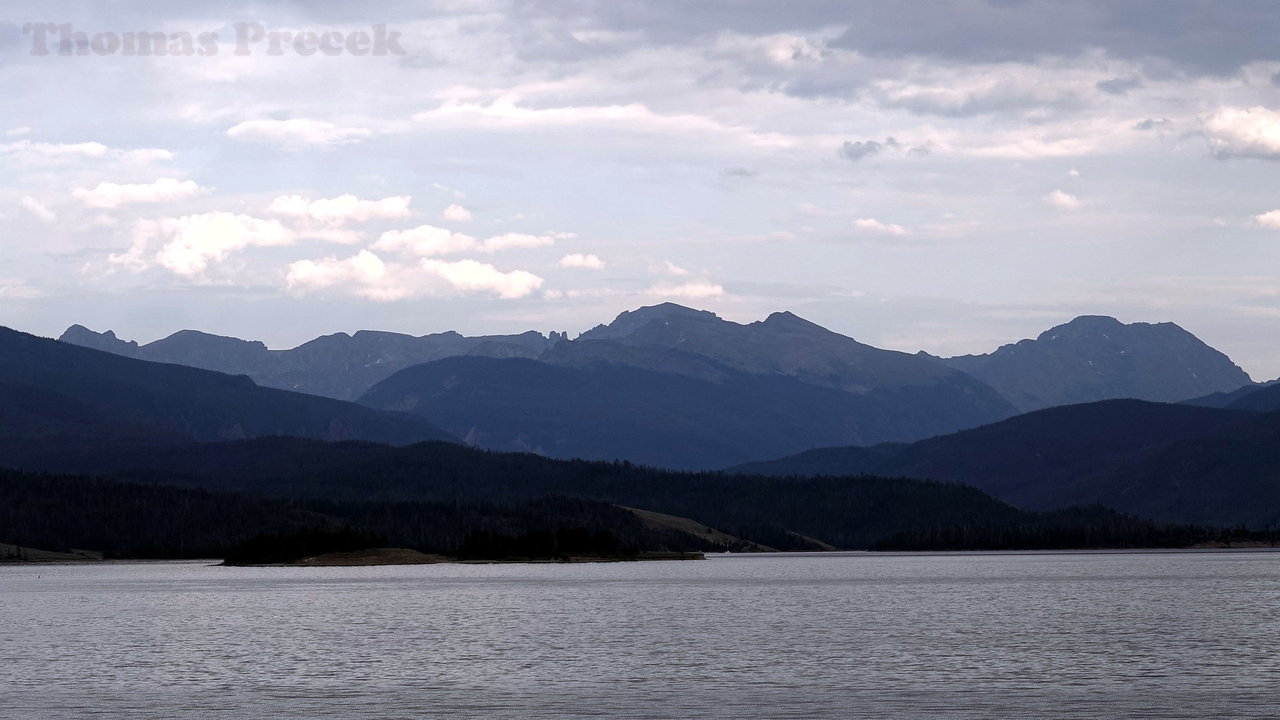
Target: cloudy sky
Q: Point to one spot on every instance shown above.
(938, 176)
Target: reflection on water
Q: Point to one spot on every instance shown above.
(1161, 635)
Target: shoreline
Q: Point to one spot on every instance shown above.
(401, 556)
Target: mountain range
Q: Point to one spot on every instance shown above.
(678, 388)
(338, 366)
(54, 395)
(675, 387)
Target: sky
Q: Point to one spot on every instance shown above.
(939, 176)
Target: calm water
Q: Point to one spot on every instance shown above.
(1162, 635)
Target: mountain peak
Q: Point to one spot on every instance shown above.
(84, 337)
(1084, 326)
(667, 310)
(1095, 357)
(1094, 321)
(788, 319)
(197, 340)
(630, 321)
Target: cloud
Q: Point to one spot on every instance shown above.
(1269, 220)
(18, 131)
(429, 240)
(1120, 85)
(425, 241)
(473, 276)
(34, 153)
(340, 210)
(54, 151)
(1181, 34)
(1239, 132)
(16, 289)
(111, 195)
(510, 241)
(875, 226)
(694, 290)
(368, 276)
(670, 268)
(862, 149)
(997, 89)
(37, 208)
(505, 113)
(189, 244)
(364, 271)
(855, 151)
(579, 260)
(456, 213)
(297, 132)
(1152, 123)
(1062, 200)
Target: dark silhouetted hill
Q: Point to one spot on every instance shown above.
(1264, 400)
(1173, 463)
(55, 395)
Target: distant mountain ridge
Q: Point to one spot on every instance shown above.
(57, 395)
(782, 344)
(680, 388)
(339, 366)
(683, 388)
(1088, 359)
(1096, 358)
(1241, 398)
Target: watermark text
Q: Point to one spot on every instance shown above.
(249, 38)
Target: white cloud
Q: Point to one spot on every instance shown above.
(875, 226)
(297, 132)
(37, 208)
(425, 241)
(579, 260)
(670, 268)
(473, 276)
(34, 153)
(1010, 88)
(429, 240)
(1252, 132)
(365, 271)
(634, 117)
(111, 195)
(694, 290)
(1269, 219)
(1062, 200)
(58, 150)
(456, 213)
(18, 131)
(366, 275)
(190, 243)
(510, 241)
(340, 210)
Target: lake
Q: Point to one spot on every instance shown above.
(1025, 635)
